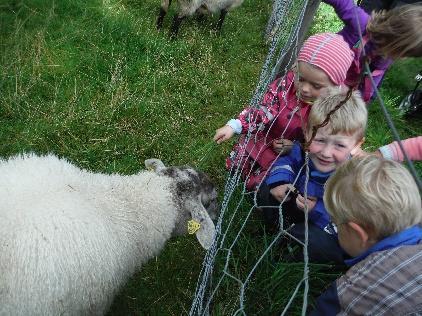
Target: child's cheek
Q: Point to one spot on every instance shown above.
(322, 91)
(317, 92)
(343, 157)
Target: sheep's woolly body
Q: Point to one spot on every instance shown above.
(189, 7)
(75, 236)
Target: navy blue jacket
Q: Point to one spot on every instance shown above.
(287, 168)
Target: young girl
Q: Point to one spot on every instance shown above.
(322, 63)
(387, 35)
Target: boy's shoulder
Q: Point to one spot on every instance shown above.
(297, 153)
(384, 280)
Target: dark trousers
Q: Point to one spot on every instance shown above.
(322, 246)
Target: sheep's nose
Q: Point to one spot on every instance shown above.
(213, 210)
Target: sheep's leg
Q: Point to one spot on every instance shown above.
(165, 4)
(160, 18)
(177, 20)
(223, 13)
(200, 13)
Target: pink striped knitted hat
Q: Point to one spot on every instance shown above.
(329, 52)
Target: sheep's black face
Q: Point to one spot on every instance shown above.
(209, 195)
(191, 185)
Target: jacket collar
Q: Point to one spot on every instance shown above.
(409, 236)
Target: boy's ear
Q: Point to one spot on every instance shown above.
(357, 147)
(361, 233)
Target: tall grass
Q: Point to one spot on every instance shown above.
(93, 81)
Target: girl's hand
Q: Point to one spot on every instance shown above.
(282, 146)
(300, 202)
(280, 192)
(222, 134)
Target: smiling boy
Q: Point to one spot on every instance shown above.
(331, 146)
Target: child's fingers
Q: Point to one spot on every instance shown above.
(299, 203)
(220, 140)
(277, 145)
(222, 134)
(300, 198)
(219, 137)
(279, 192)
(276, 195)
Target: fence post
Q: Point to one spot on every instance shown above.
(288, 59)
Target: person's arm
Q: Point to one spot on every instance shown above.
(412, 147)
(352, 17)
(257, 118)
(254, 119)
(224, 133)
(378, 66)
(284, 168)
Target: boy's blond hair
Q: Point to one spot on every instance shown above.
(378, 194)
(397, 33)
(350, 118)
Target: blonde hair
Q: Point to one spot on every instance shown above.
(397, 33)
(380, 195)
(350, 118)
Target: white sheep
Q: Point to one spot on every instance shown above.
(70, 238)
(189, 7)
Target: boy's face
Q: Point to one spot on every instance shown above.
(349, 240)
(310, 82)
(328, 151)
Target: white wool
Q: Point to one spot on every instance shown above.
(71, 238)
(189, 7)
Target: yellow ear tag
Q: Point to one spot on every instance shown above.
(193, 226)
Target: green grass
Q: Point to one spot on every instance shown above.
(93, 81)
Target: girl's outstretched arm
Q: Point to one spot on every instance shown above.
(412, 147)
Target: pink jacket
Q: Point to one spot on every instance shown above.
(280, 114)
(412, 147)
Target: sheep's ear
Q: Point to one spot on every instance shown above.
(205, 229)
(154, 164)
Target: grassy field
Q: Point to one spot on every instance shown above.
(93, 81)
